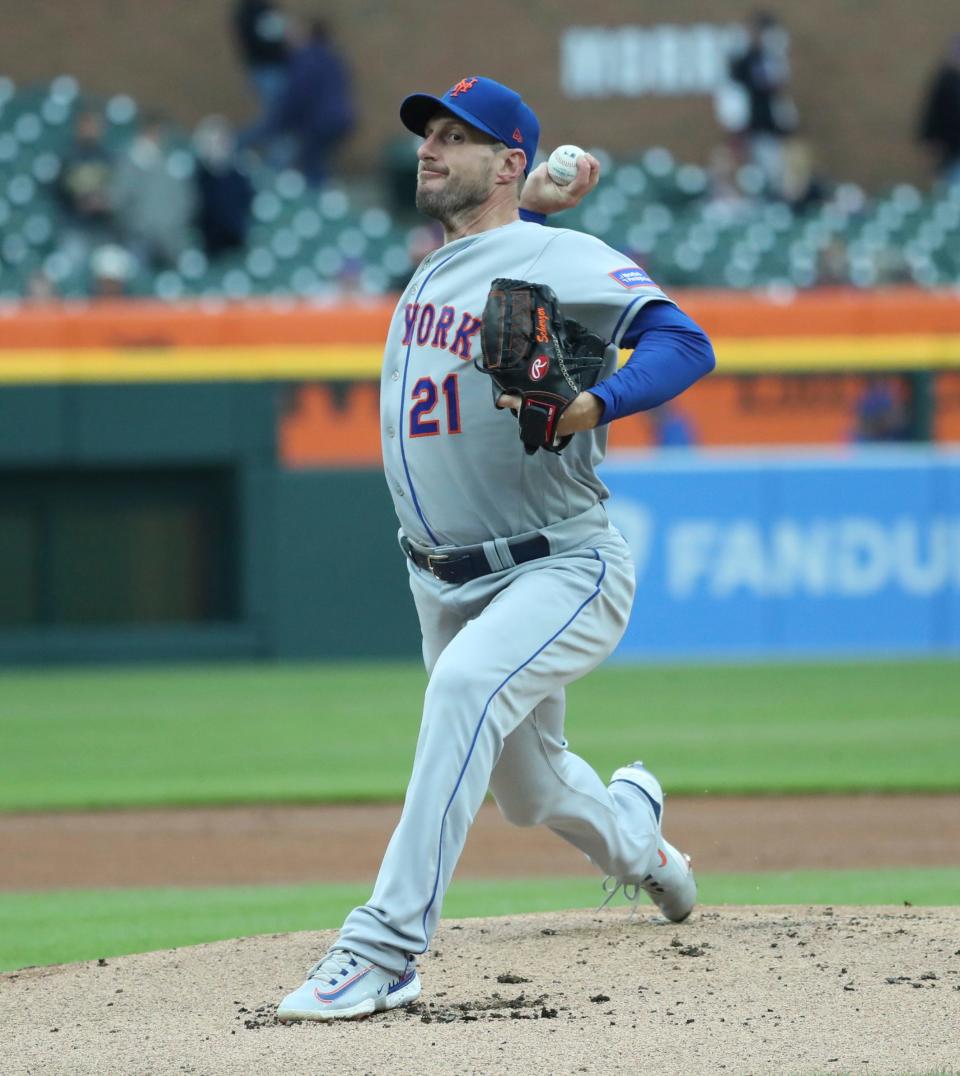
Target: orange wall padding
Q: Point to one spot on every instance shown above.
(339, 427)
(322, 428)
(133, 323)
(328, 428)
(824, 312)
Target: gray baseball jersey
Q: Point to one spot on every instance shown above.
(500, 647)
(447, 452)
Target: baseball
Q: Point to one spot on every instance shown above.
(562, 164)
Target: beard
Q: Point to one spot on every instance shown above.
(457, 198)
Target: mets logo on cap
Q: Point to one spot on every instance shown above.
(463, 86)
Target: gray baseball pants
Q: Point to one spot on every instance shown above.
(499, 651)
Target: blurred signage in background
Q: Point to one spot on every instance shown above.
(632, 61)
(662, 60)
(792, 553)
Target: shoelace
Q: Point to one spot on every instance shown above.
(337, 962)
(631, 890)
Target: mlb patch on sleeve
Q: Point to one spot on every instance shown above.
(631, 277)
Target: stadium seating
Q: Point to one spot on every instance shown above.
(320, 244)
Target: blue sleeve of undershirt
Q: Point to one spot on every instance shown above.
(531, 217)
(671, 352)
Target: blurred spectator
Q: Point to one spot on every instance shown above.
(671, 428)
(400, 164)
(83, 189)
(802, 187)
(833, 262)
(316, 107)
(882, 413)
(350, 278)
(763, 72)
(421, 241)
(940, 114)
(153, 198)
(112, 269)
(262, 36)
(40, 288)
(224, 190)
(722, 186)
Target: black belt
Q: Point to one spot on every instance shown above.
(470, 562)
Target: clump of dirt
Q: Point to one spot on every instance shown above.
(260, 1016)
(493, 1007)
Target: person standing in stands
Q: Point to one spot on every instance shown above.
(940, 114)
(261, 30)
(763, 72)
(316, 107)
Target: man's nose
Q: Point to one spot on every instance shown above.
(426, 149)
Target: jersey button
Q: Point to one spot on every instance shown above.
(399, 491)
(395, 376)
(391, 431)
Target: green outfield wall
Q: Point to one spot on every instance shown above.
(153, 521)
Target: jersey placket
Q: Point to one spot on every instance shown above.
(401, 426)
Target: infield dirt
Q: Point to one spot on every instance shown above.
(733, 990)
(252, 845)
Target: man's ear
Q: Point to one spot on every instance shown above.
(512, 166)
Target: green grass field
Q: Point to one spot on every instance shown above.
(289, 733)
(62, 927)
(78, 738)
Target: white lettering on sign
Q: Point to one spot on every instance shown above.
(632, 61)
(846, 557)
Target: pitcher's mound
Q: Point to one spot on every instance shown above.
(755, 989)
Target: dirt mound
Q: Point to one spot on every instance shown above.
(778, 990)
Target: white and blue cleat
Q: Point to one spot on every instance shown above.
(669, 882)
(345, 987)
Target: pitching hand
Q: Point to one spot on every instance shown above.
(542, 195)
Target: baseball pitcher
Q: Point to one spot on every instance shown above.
(499, 381)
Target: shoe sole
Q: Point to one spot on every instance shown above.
(360, 1011)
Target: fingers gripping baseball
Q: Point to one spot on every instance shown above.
(541, 194)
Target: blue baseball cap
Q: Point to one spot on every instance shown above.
(489, 106)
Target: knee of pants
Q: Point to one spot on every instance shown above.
(456, 715)
(458, 689)
(519, 811)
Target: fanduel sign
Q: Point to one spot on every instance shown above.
(849, 557)
(794, 554)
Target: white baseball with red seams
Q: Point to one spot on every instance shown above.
(562, 164)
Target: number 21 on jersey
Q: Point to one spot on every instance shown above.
(426, 396)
